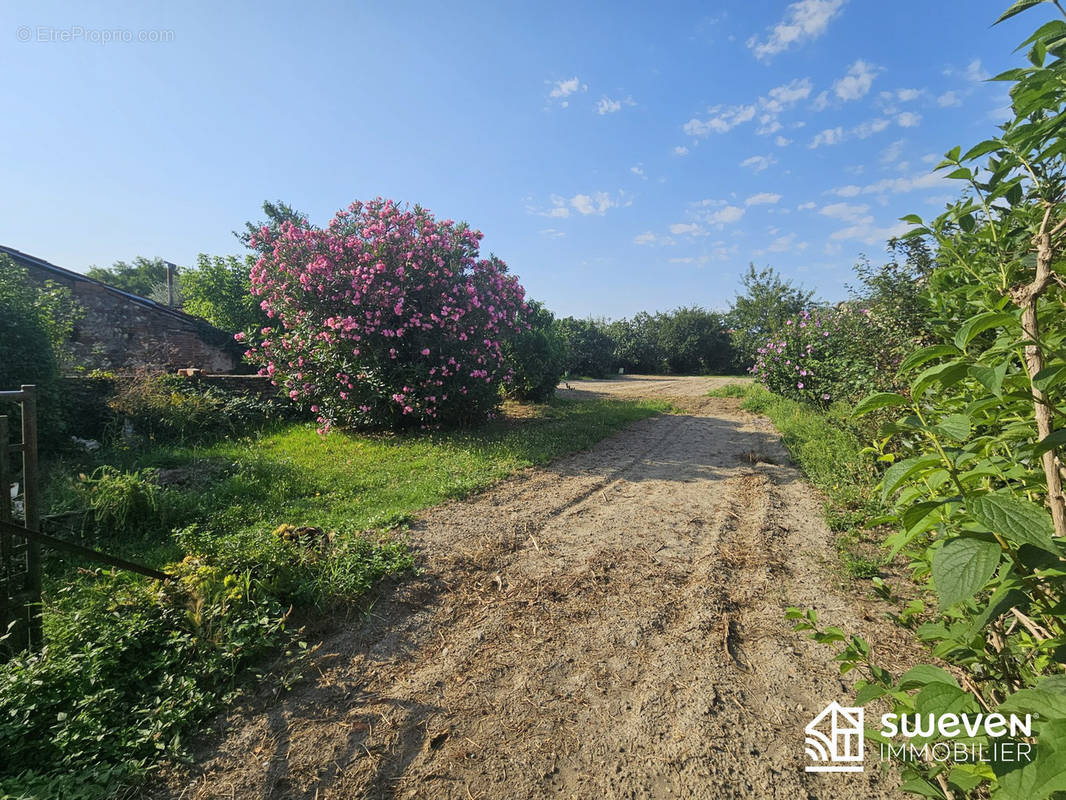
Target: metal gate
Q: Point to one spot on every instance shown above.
(20, 558)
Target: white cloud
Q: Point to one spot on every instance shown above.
(762, 198)
(867, 129)
(781, 141)
(806, 206)
(563, 89)
(720, 121)
(726, 215)
(689, 228)
(651, 239)
(786, 95)
(552, 233)
(829, 136)
(680, 150)
(924, 180)
(857, 82)
(975, 72)
(821, 102)
(596, 203)
(868, 233)
(759, 163)
(608, 106)
(638, 170)
(908, 119)
(892, 153)
(846, 212)
(949, 99)
(785, 243)
(803, 21)
(906, 95)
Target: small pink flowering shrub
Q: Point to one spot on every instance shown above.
(385, 318)
(820, 356)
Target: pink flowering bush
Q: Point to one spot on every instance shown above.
(820, 356)
(385, 318)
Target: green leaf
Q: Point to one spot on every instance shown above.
(962, 173)
(1017, 8)
(1049, 705)
(954, 426)
(1049, 376)
(1042, 776)
(980, 323)
(981, 149)
(1050, 442)
(913, 219)
(990, 377)
(879, 400)
(924, 674)
(946, 375)
(902, 470)
(1018, 521)
(925, 355)
(963, 566)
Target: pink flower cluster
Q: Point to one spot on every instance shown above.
(386, 318)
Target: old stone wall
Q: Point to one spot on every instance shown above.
(120, 332)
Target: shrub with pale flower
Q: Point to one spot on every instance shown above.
(385, 318)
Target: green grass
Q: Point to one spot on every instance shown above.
(828, 450)
(133, 667)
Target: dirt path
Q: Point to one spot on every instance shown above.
(610, 626)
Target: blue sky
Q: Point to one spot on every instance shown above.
(620, 156)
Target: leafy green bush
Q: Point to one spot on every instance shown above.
(760, 312)
(219, 290)
(977, 493)
(35, 324)
(537, 355)
(121, 503)
(132, 666)
(590, 350)
(168, 408)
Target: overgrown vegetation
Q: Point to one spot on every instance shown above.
(251, 526)
(969, 443)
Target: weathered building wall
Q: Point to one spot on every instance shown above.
(120, 331)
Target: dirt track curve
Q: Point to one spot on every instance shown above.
(609, 626)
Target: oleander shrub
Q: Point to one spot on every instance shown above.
(536, 354)
(387, 318)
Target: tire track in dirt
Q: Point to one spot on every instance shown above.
(609, 626)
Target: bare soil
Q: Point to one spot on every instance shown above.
(609, 626)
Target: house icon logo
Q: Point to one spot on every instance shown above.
(834, 741)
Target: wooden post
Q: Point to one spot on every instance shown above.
(5, 539)
(31, 498)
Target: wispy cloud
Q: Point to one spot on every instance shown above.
(680, 150)
(759, 163)
(606, 105)
(925, 180)
(765, 109)
(857, 82)
(828, 137)
(562, 89)
(803, 21)
(594, 204)
(651, 239)
(762, 199)
(909, 119)
(949, 99)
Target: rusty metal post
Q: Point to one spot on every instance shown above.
(31, 498)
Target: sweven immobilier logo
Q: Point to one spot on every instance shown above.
(835, 738)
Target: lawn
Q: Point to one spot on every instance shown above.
(132, 666)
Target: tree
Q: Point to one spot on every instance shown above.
(35, 325)
(536, 353)
(636, 343)
(767, 301)
(140, 277)
(590, 349)
(219, 290)
(694, 341)
(277, 214)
